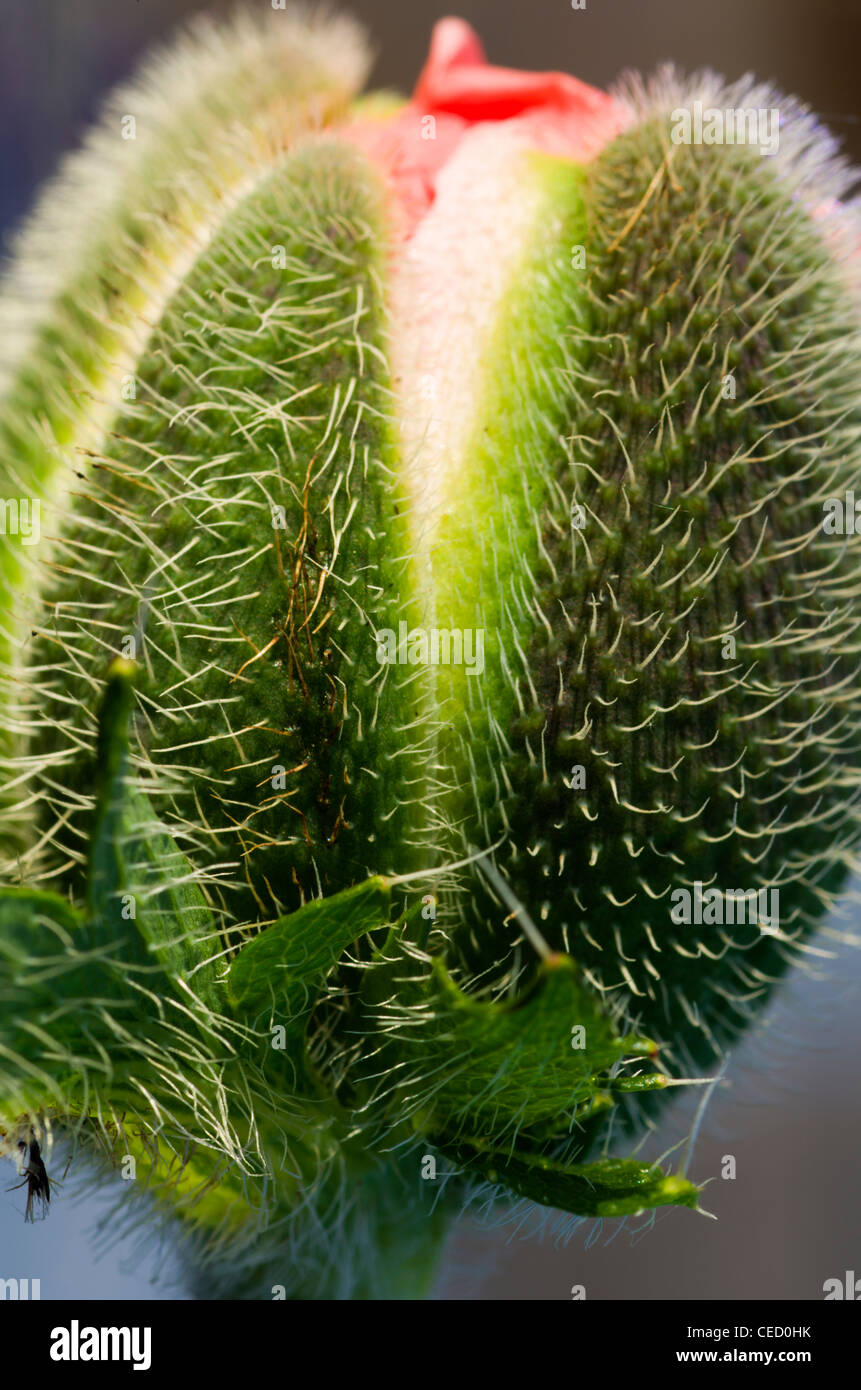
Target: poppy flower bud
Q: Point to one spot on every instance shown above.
(457, 497)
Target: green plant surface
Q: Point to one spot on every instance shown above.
(284, 926)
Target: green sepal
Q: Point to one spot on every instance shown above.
(281, 971)
(277, 978)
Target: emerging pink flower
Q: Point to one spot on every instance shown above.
(462, 99)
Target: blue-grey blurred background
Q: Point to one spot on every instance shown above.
(789, 1108)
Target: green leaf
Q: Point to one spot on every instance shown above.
(140, 887)
(494, 1069)
(23, 910)
(49, 974)
(282, 970)
(609, 1187)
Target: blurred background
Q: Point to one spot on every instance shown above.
(789, 1109)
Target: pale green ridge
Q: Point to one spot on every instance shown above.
(487, 548)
